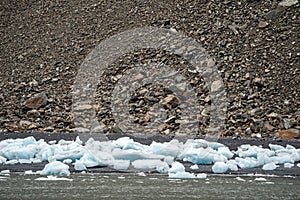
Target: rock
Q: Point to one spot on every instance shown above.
(258, 82)
(170, 101)
(49, 129)
(289, 134)
(273, 115)
(36, 101)
(269, 127)
(33, 113)
(25, 123)
(288, 3)
(263, 24)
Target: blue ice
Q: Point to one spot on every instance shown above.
(55, 168)
(219, 167)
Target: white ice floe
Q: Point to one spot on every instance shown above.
(53, 178)
(269, 166)
(124, 152)
(56, 168)
(160, 166)
(260, 179)
(194, 167)
(121, 164)
(220, 167)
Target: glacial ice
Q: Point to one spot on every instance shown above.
(181, 175)
(269, 166)
(160, 166)
(220, 167)
(288, 165)
(121, 164)
(176, 167)
(55, 168)
(123, 152)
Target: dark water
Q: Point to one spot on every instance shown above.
(132, 186)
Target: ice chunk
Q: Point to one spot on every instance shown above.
(288, 165)
(79, 165)
(275, 147)
(201, 175)
(68, 161)
(248, 162)
(225, 151)
(232, 165)
(5, 171)
(11, 162)
(29, 172)
(127, 143)
(240, 179)
(169, 160)
(121, 164)
(16, 151)
(53, 178)
(198, 155)
(219, 167)
(219, 158)
(55, 168)
(194, 167)
(167, 149)
(24, 161)
(176, 167)
(181, 175)
(2, 159)
(159, 165)
(260, 179)
(133, 155)
(298, 165)
(282, 158)
(269, 166)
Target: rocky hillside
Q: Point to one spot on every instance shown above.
(254, 43)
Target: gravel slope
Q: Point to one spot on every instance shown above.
(255, 45)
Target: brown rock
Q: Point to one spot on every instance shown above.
(36, 101)
(289, 134)
(170, 101)
(263, 24)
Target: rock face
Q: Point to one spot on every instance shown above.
(36, 101)
(254, 45)
(289, 134)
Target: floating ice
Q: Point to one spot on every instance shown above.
(24, 161)
(29, 172)
(260, 179)
(133, 155)
(240, 179)
(11, 162)
(181, 175)
(198, 155)
(2, 159)
(248, 162)
(119, 153)
(176, 167)
(79, 165)
(7, 171)
(126, 143)
(232, 165)
(225, 152)
(121, 164)
(171, 148)
(201, 175)
(194, 167)
(269, 166)
(288, 165)
(219, 167)
(53, 178)
(160, 166)
(55, 168)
